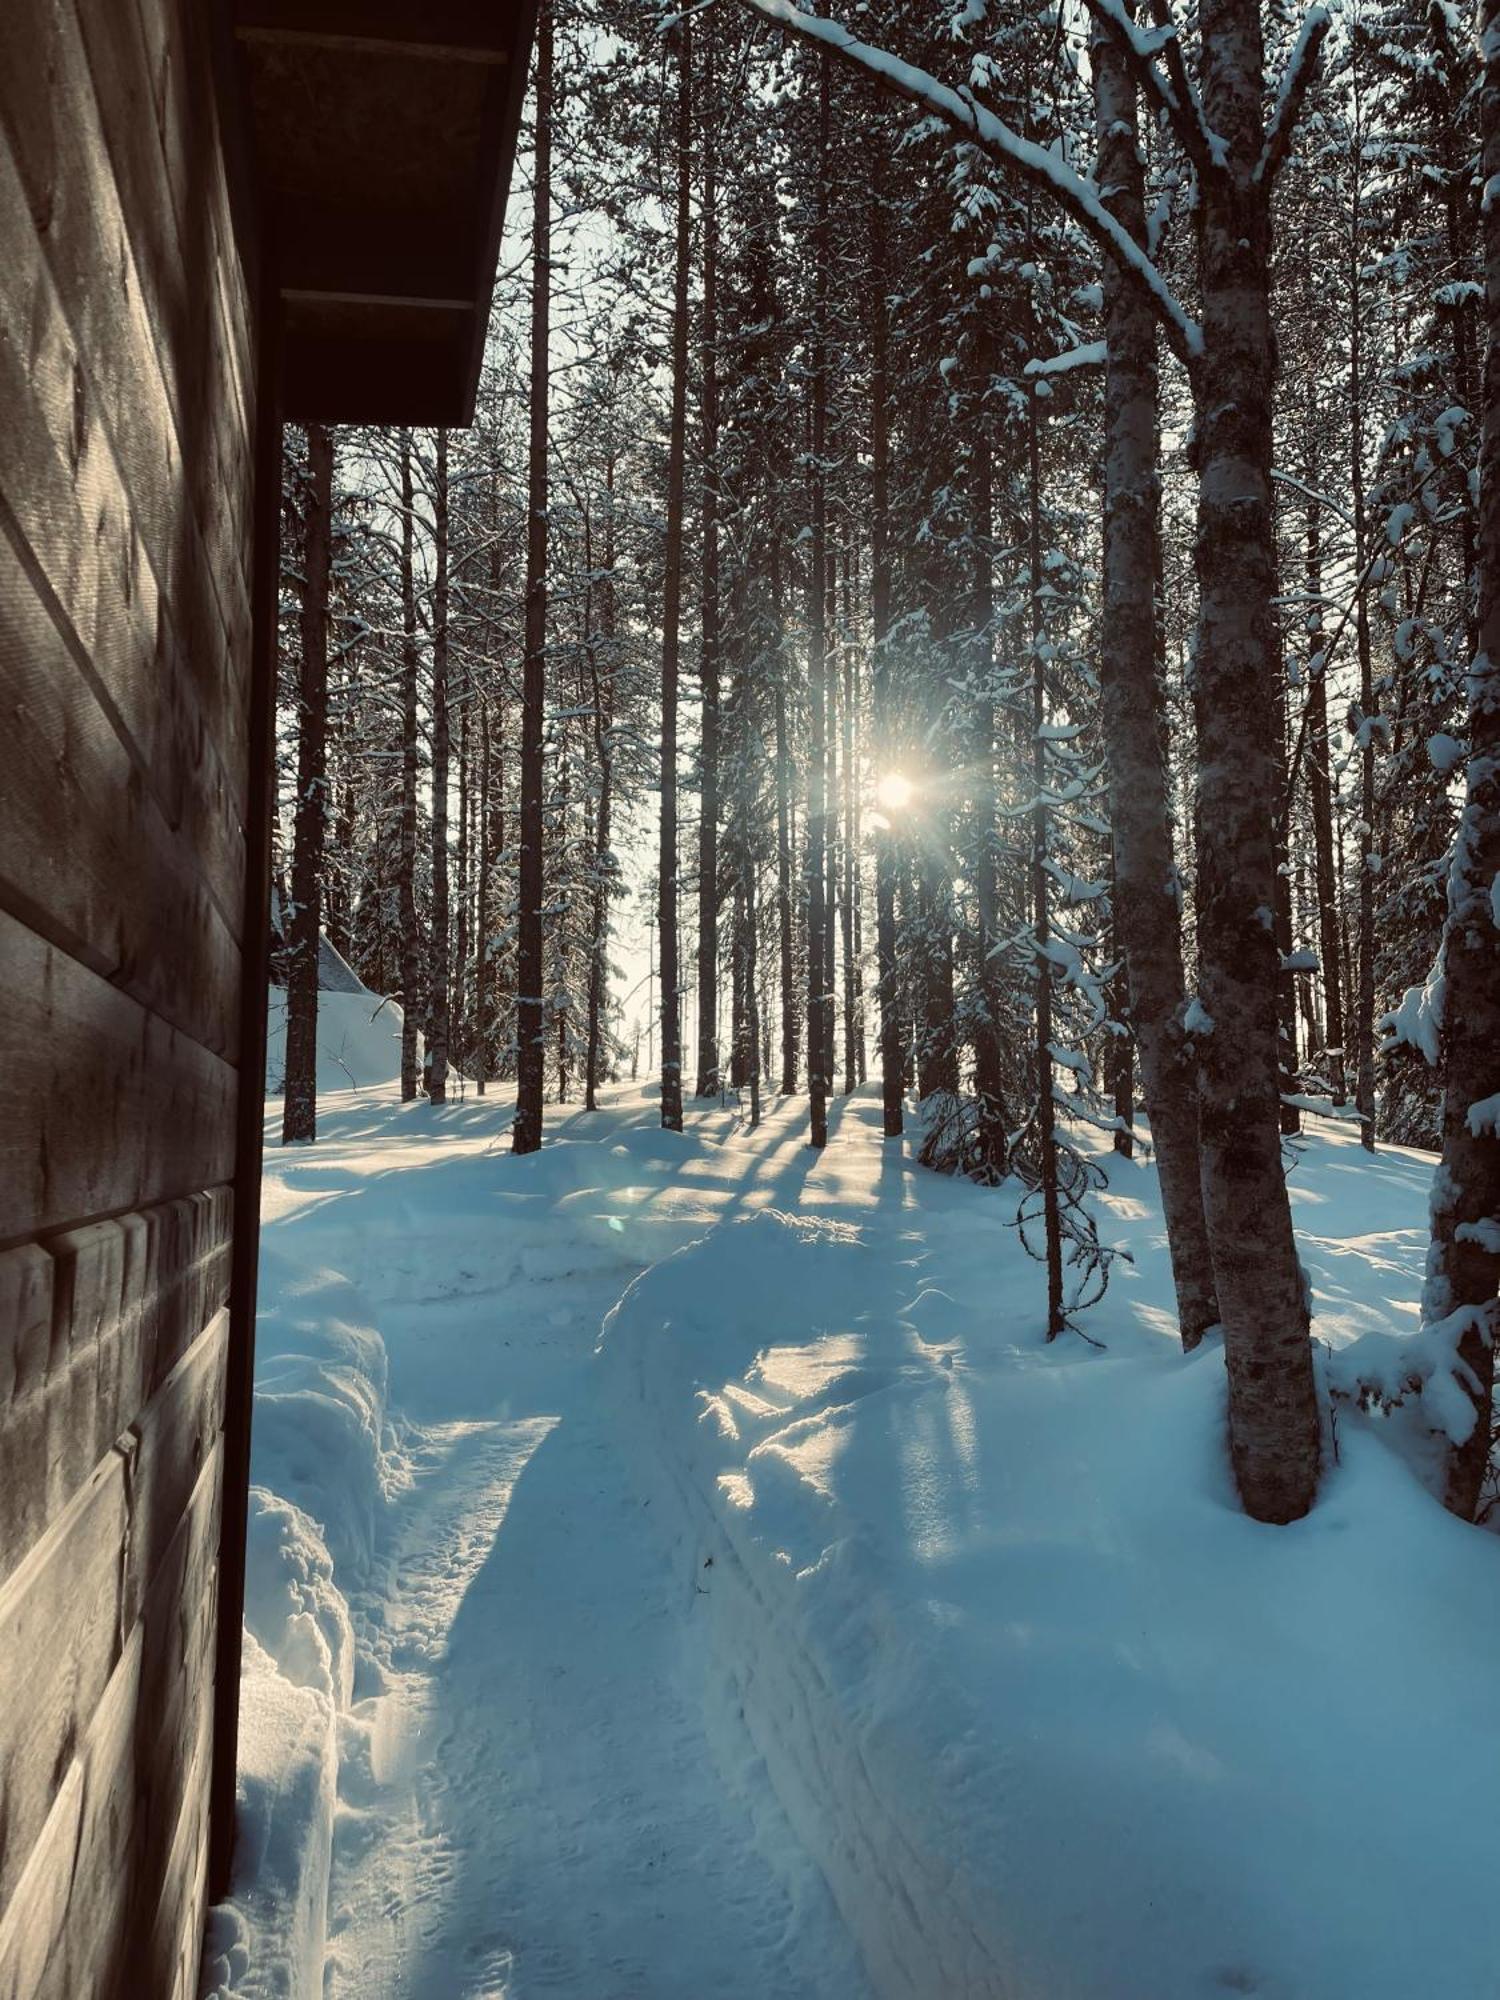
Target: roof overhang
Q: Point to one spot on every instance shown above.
(383, 134)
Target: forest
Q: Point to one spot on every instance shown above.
(973, 559)
(877, 1296)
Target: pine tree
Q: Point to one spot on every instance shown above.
(530, 973)
(303, 920)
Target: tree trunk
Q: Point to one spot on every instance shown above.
(437, 1005)
(411, 937)
(849, 886)
(892, 1051)
(666, 917)
(1046, 1109)
(991, 1134)
(1288, 1067)
(1364, 993)
(604, 697)
(1463, 1268)
(819, 996)
(299, 1118)
(482, 908)
(1147, 908)
(746, 916)
(708, 825)
(1320, 789)
(789, 1035)
(530, 968)
(459, 1038)
(832, 726)
(1273, 1417)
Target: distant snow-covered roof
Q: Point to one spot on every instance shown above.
(335, 973)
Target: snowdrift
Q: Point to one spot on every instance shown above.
(1053, 1718)
(321, 1462)
(1056, 1719)
(359, 1041)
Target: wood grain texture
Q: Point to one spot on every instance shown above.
(103, 1105)
(162, 134)
(152, 928)
(68, 517)
(97, 1873)
(127, 377)
(134, 1547)
(135, 356)
(175, 1946)
(61, 1637)
(91, 1325)
(25, 1353)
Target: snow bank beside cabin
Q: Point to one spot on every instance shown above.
(320, 1465)
(1058, 1721)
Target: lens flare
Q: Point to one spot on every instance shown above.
(893, 792)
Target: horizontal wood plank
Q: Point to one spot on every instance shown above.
(68, 518)
(37, 1914)
(177, 1431)
(176, 1941)
(103, 1105)
(91, 1325)
(153, 928)
(61, 1637)
(67, 1612)
(161, 130)
(192, 1246)
(128, 377)
(26, 1275)
(98, 1871)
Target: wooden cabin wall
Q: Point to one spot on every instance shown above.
(127, 400)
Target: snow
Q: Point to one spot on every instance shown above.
(1447, 424)
(1300, 66)
(323, 1466)
(1091, 354)
(1417, 1023)
(270, 1939)
(1446, 752)
(359, 1040)
(1196, 1019)
(745, 1599)
(1035, 164)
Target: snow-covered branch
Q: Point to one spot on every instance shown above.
(1302, 67)
(1093, 354)
(1173, 92)
(962, 112)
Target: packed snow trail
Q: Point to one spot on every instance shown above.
(530, 1803)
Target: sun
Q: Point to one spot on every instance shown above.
(893, 791)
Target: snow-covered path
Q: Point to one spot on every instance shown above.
(700, 1450)
(531, 1804)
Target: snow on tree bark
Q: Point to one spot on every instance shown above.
(299, 1120)
(819, 995)
(526, 1134)
(437, 1006)
(892, 1050)
(708, 822)
(1459, 1300)
(411, 934)
(1273, 1417)
(1146, 909)
(666, 912)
